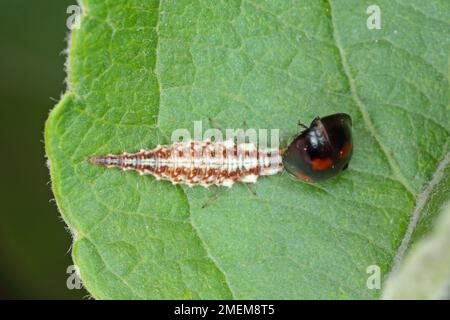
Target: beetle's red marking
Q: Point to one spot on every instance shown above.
(204, 163)
(321, 164)
(344, 151)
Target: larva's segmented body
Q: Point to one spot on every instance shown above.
(202, 163)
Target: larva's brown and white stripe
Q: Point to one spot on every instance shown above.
(202, 163)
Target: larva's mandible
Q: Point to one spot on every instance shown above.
(202, 163)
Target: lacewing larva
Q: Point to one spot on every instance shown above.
(202, 163)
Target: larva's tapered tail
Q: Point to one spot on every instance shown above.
(204, 163)
(109, 160)
(140, 161)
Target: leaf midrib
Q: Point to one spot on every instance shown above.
(422, 199)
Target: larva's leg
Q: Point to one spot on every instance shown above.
(213, 124)
(215, 193)
(244, 125)
(250, 188)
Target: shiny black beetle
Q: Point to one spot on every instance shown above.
(322, 150)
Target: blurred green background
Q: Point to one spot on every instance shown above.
(34, 245)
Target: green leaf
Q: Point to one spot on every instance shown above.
(140, 69)
(425, 273)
